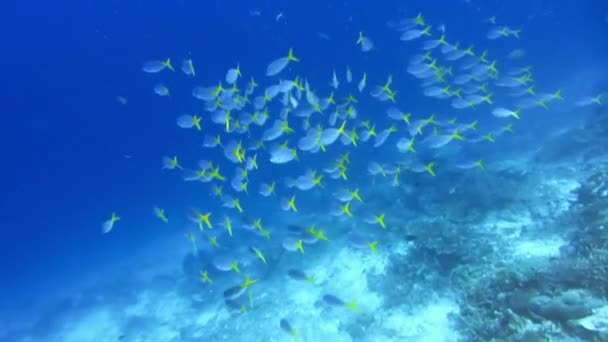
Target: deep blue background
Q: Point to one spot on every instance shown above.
(64, 136)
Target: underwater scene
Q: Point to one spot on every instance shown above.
(314, 171)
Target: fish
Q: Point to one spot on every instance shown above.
(258, 254)
(289, 204)
(107, 226)
(171, 163)
(335, 301)
(225, 263)
(366, 43)
(204, 276)
(334, 80)
(267, 189)
(415, 33)
(160, 213)
(282, 155)
(410, 237)
(189, 121)
(286, 327)
(234, 292)
(188, 67)
(161, 90)
(471, 164)
(374, 168)
(233, 74)
(292, 244)
(502, 32)
(381, 137)
(295, 229)
(516, 54)
(237, 305)
(349, 75)
(299, 275)
(277, 65)
(323, 36)
(156, 66)
(501, 112)
(588, 101)
(376, 219)
(362, 83)
(358, 241)
(431, 44)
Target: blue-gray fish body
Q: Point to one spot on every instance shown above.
(234, 292)
(333, 300)
(296, 274)
(286, 326)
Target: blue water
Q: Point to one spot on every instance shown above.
(72, 154)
